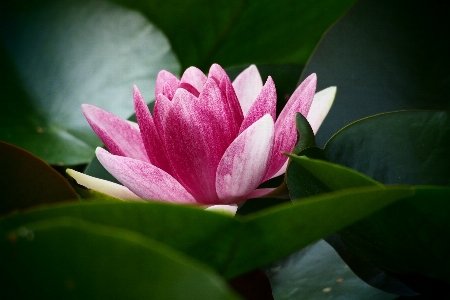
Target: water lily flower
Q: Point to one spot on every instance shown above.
(209, 141)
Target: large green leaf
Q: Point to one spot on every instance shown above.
(317, 272)
(68, 258)
(241, 32)
(61, 54)
(408, 147)
(306, 177)
(410, 240)
(231, 246)
(384, 56)
(306, 221)
(26, 181)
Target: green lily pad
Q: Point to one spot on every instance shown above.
(26, 181)
(410, 240)
(60, 54)
(406, 147)
(306, 177)
(68, 258)
(384, 56)
(241, 32)
(317, 272)
(229, 244)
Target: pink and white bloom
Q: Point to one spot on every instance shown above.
(210, 141)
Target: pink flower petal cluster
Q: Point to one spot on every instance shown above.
(209, 140)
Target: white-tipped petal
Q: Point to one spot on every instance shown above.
(320, 107)
(248, 85)
(245, 161)
(103, 186)
(225, 209)
(144, 179)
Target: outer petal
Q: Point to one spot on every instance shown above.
(166, 84)
(104, 186)
(225, 209)
(285, 131)
(194, 77)
(245, 162)
(152, 142)
(144, 179)
(248, 85)
(118, 135)
(199, 133)
(266, 103)
(320, 107)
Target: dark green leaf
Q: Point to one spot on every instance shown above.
(307, 177)
(26, 181)
(62, 54)
(410, 238)
(285, 228)
(224, 243)
(384, 56)
(68, 258)
(317, 272)
(240, 32)
(408, 147)
(305, 134)
(369, 271)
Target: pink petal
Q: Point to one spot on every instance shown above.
(221, 77)
(119, 136)
(103, 186)
(160, 111)
(189, 88)
(233, 102)
(200, 131)
(144, 179)
(194, 77)
(283, 168)
(248, 85)
(266, 103)
(166, 84)
(300, 101)
(245, 162)
(152, 142)
(285, 130)
(320, 107)
(217, 72)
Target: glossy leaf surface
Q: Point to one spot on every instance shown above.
(224, 243)
(317, 272)
(203, 33)
(384, 56)
(70, 258)
(60, 54)
(26, 181)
